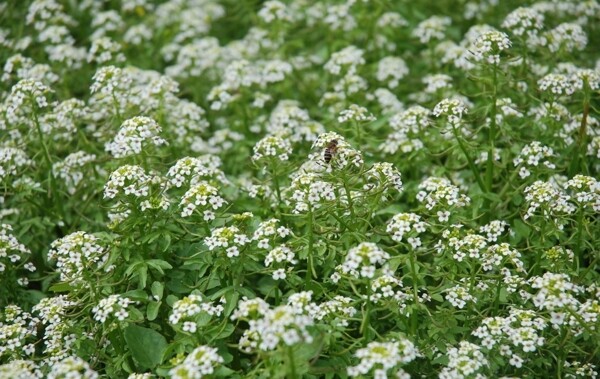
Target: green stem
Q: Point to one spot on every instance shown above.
(469, 160)
(489, 173)
(578, 260)
(413, 271)
(350, 202)
(38, 127)
(290, 354)
(309, 257)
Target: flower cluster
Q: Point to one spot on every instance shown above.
(192, 170)
(378, 358)
(547, 198)
(280, 256)
(272, 147)
(271, 327)
(463, 361)
(452, 109)
(361, 261)
(308, 192)
(521, 330)
(440, 194)
(202, 198)
(78, 255)
(189, 310)
(114, 305)
(201, 362)
(406, 223)
(489, 45)
(72, 367)
(13, 255)
(70, 169)
(267, 233)
(133, 135)
(229, 238)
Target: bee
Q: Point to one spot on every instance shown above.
(330, 150)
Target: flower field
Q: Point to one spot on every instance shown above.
(299, 189)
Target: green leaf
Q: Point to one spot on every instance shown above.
(157, 289)
(152, 310)
(146, 345)
(159, 265)
(61, 287)
(139, 295)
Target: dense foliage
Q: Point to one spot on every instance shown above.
(269, 189)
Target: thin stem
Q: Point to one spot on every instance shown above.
(290, 354)
(309, 257)
(469, 160)
(489, 173)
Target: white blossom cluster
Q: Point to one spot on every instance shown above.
(493, 229)
(267, 233)
(585, 191)
(568, 37)
(409, 126)
(382, 176)
(361, 262)
(272, 147)
(520, 330)
(441, 195)
(355, 113)
(61, 122)
(26, 97)
(269, 328)
(336, 311)
(202, 198)
(229, 238)
(433, 28)
(345, 61)
(59, 339)
(13, 255)
(242, 74)
(344, 156)
(18, 329)
(558, 84)
(387, 287)
(105, 50)
(437, 83)
(77, 255)
(12, 160)
(134, 135)
(534, 155)
(21, 369)
(548, 199)
(406, 224)
(459, 295)
(128, 180)
(187, 312)
(72, 368)
(500, 254)
(463, 361)
(290, 121)
(452, 109)
(489, 45)
(378, 358)
(390, 70)
(70, 169)
(192, 170)
(112, 306)
(200, 363)
(527, 23)
(308, 192)
(280, 256)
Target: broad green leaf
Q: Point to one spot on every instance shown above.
(146, 345)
